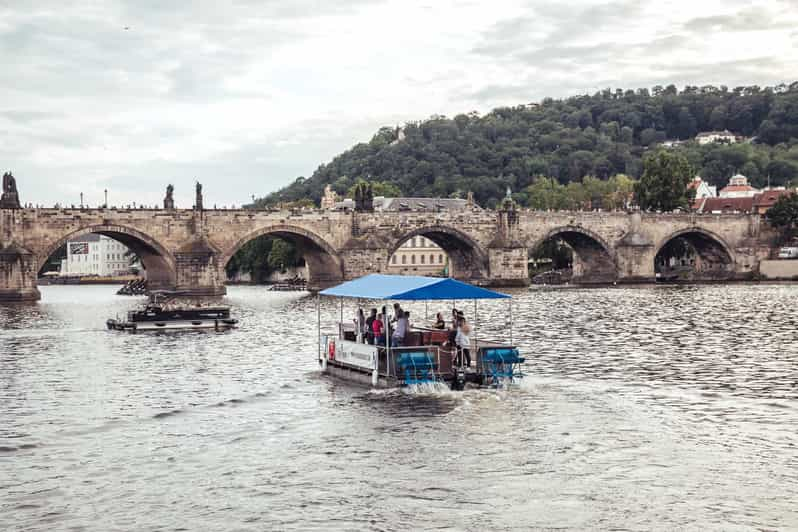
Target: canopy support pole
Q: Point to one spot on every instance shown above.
(475, 324)
(510, 303)
(322, 357)
(341, 322)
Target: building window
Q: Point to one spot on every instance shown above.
(431, 258)
(404, 259)
(393, 259)
(440, 259)
(422, 259)
(412, 259)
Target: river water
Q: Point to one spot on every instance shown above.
(644, 408)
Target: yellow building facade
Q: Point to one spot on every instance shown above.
(419, 256)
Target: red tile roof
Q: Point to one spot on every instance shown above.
(768, 198)
(710, 205)
(737, 188)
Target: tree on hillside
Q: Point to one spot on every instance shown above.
(547, 194)
(663, 186)
(601, 135)
(379, 188)
(592, 193)
(784, 213)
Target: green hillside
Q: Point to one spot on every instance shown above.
(600, 135)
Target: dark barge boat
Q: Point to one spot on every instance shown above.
(162, 315)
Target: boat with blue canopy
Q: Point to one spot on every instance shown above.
(393, 353)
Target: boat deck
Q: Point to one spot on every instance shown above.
(353, 360)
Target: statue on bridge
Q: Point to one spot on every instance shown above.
(10, 197)
(358, 198)
(198, 201)
(168, 201)
(368, 199)
(364, 198)
(508, 203)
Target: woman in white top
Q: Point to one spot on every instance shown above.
(463, 341)
(402, 327)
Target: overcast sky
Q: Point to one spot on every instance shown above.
(130, 96)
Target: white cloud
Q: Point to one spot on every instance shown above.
(247, 96)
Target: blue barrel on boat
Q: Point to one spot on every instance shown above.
(502, 355)
(415, 359)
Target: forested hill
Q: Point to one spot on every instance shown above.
(599, 135)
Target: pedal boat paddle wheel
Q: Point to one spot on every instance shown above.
(426, 355)
(163, 313)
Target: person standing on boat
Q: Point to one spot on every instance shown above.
(398, 336)
(360, 325)
(397, 313)
(463, 341)
(369, 330)
(455, 319)
(378, 329)
(457, 315)
(386, 323)
(439, 322)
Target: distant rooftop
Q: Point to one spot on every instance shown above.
(725, 205)
(412, 204)
(724, 133)
(769, 197)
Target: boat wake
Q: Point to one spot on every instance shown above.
(429, 389)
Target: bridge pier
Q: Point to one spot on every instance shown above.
(636, 264)
(634, 254)
(198, 272)
(508, 266)
(17, 274)
(359, 261)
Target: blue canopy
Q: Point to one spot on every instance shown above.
(407, 287)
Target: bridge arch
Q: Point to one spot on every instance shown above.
(467, 259)
(693, 253)
(593, 259)
(158, 262)
(324, 263)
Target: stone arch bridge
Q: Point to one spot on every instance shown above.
(188, 249)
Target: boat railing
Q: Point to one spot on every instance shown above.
(393, 362)
(494, 359)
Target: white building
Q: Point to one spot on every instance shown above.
(738, 187)
(95, 254)
(702, 188)
(709, 137)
